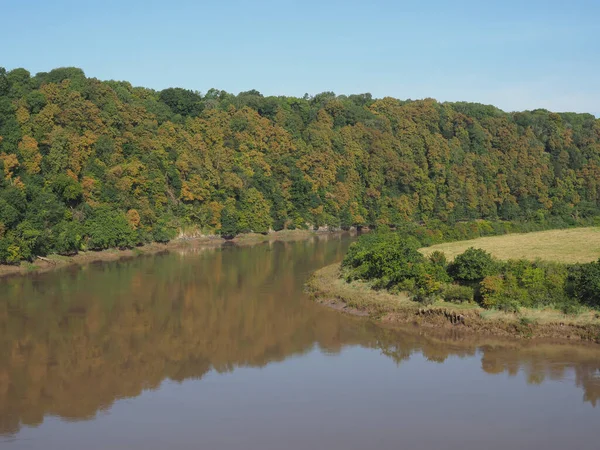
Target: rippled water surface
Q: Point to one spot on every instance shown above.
(221, 349)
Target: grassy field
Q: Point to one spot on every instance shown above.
(566, 246)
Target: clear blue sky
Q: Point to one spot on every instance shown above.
(514, 54)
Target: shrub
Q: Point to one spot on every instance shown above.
(473, 265)
(571, 308)
(428, 282)
(457, 294)
(545, 283)
(502, 292)
(439, 259)
(584, 283)
(384, 256)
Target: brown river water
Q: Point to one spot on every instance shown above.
(221, 349)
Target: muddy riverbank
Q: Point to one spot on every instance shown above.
(356, 298)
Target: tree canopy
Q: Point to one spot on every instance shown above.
(78, 155)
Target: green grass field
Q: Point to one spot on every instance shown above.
(566, 246)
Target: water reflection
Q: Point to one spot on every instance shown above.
(74, 341)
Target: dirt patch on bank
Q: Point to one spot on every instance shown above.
(356, 298)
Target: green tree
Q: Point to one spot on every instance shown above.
(472, 266)
(109, 228)
(254, 212)
(584, 283)
(229, 221)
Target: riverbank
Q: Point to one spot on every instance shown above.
(357, 298)
(53, 262)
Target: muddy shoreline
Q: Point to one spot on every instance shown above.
(357, 299)
(53, 262)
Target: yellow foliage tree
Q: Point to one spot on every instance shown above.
(11, 162)
(28, 148)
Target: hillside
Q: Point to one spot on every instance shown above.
(87, 164)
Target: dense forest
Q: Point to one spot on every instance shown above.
(88, 164)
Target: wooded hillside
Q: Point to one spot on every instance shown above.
(87, 164)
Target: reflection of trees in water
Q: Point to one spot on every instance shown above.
(539, 361)
(553, 362)
(73, 342)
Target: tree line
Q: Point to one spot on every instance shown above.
(88, 164)
(391, 260)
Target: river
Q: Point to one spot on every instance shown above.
(219, 348)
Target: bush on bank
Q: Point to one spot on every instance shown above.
(391, 260)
